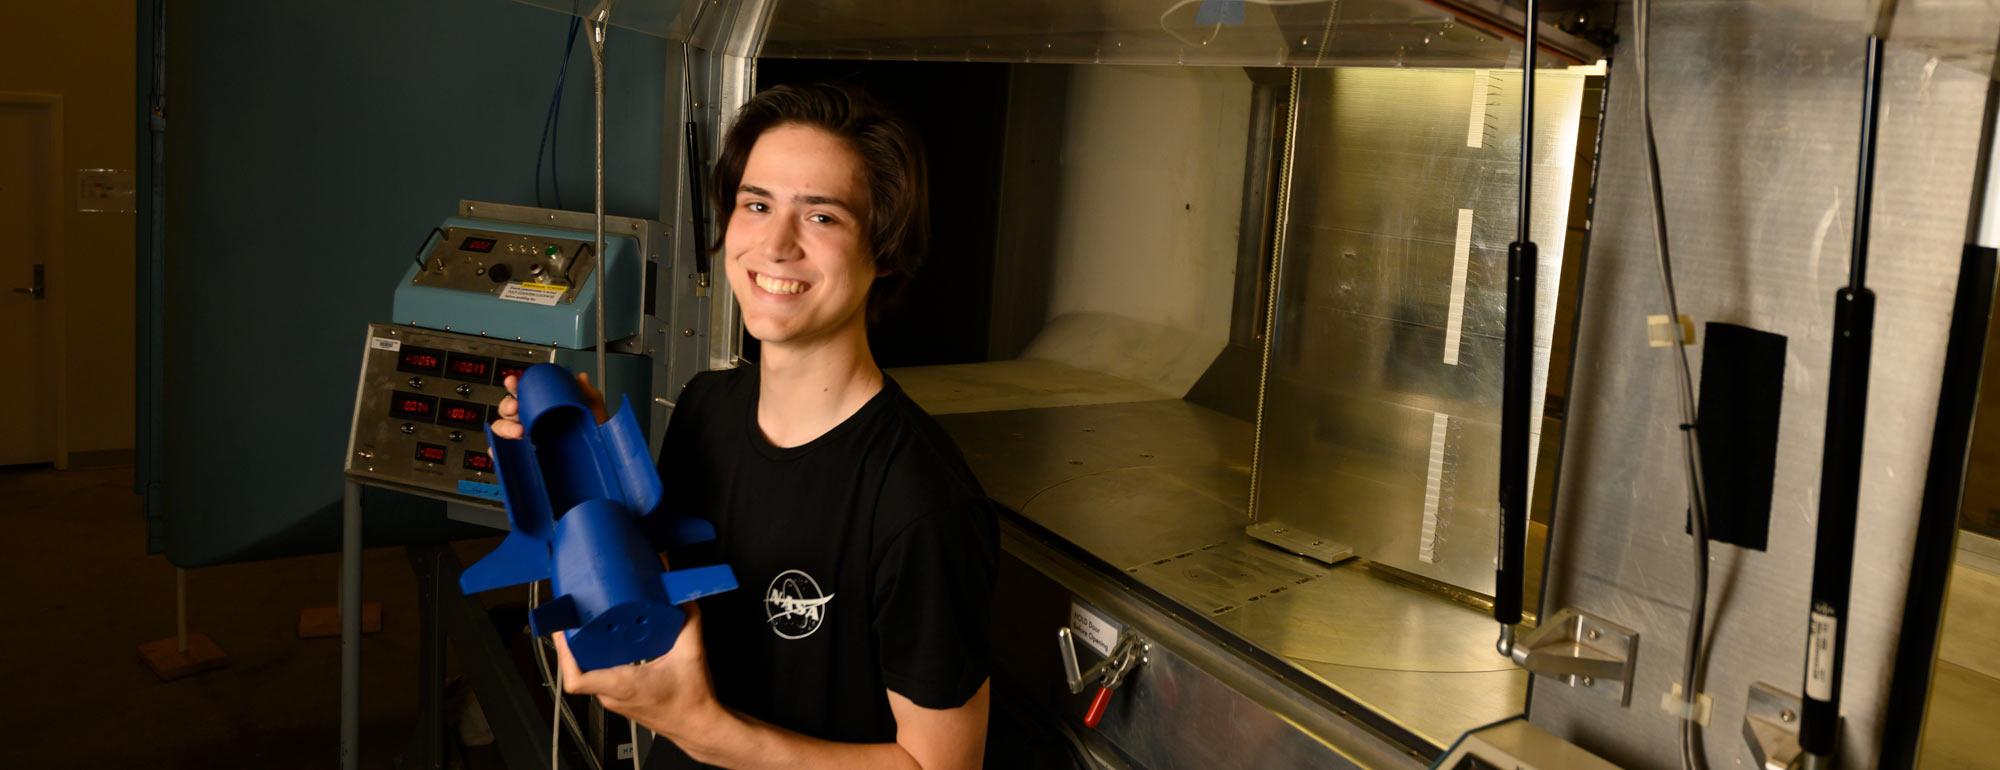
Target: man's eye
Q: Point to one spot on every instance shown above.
(757, 206)
(821, 219)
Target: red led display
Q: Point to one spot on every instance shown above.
(469, 368)
(430, 453)
(507, 369)
(420, 360)
(478, 461)
(412, 406)
(462, 414)
(476, 244)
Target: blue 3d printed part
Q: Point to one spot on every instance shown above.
(575, 491)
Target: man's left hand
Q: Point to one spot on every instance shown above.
(671, 695)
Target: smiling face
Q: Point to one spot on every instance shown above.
(797, 243)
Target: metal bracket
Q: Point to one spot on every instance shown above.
(1583, 650)
(1294, 540)
(1771, 727)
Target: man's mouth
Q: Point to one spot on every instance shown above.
(780, 286)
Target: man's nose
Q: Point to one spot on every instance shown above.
(781, 240)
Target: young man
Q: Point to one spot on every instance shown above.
(864, 547)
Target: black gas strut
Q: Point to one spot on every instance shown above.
(1519, 370)
(1840, 465)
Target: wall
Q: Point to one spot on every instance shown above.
(310, 148)
(1150, 198)
(1757, 112)
(83, 52)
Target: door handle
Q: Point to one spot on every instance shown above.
(40, 288)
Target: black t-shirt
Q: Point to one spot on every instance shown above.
(864, 559)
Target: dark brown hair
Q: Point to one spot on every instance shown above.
(892, 159)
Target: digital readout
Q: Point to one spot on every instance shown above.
(476, 244)
(505, 369)
(478, 461)
(417, 360)
(412, 406)
(460, 366)
(430, 453)
(461, 414)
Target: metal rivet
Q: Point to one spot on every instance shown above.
(1587, 681)
(1592, 634)
(1787, 716)
(687, 332)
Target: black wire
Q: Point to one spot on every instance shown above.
(552, 118)
(419, 256)
(577, 255)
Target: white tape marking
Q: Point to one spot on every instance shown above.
(1461, 258)
(1475, 130)
(1433, 489)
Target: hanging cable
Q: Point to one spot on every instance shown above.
(552, 118)
(1695, 660)
(550, 681)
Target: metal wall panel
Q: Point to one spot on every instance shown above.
(1757, 113)
(1380, 425)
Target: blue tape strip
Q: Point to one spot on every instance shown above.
(478, 489)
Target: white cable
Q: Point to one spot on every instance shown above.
(555, 724)
(1695, 659)
(634, 724)
(555, 690)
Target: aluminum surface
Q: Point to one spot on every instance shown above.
(1158, 490)
(1024, 383)
(1383, 405)
(1757, 150)
(1240, 704)
(1312, 34)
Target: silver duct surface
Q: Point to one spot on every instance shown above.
(1757, 112)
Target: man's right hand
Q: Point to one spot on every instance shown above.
(509, 424)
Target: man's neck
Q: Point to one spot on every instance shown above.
(808, 388)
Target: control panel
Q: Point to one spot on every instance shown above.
(540, 269)
(421, 410)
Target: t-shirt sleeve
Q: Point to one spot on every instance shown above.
(933, 600)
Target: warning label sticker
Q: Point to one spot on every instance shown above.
(533, 293)
(1820, 633)
(1096, 631)
(385, 343)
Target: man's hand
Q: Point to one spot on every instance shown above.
(672, 694)
(509, 424)
(674, 697)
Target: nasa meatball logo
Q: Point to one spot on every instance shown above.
(794, 605)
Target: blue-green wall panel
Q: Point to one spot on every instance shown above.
(310, 147)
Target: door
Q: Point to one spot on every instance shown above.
(27, 209)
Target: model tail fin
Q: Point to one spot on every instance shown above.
(686, 585)
(519, 559)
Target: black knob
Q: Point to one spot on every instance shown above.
(408, 428)
(456, 436)
(417, 383)
(499, 273)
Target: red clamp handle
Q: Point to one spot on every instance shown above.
(1097, 705)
